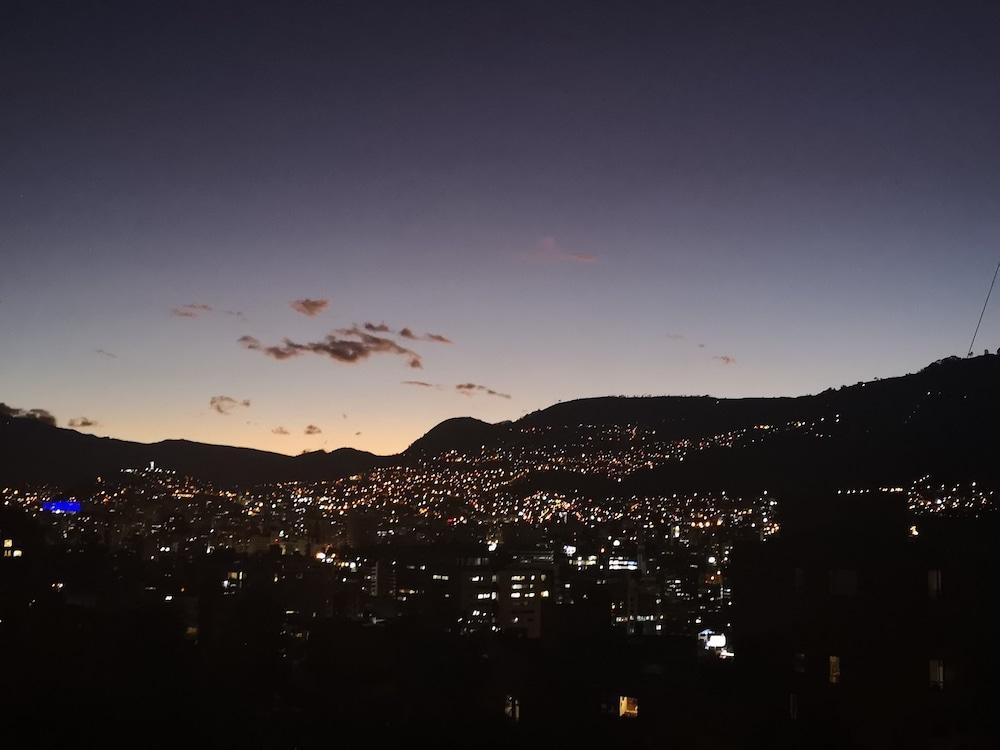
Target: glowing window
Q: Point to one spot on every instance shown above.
(512, 709)
(834, 670)
(628, 707)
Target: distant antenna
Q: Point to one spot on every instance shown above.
(976, 332)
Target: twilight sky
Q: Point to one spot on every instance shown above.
(582, 198)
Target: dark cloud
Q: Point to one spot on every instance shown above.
(407, 333)
(347, 345)
(725, 359)
(82, 422)
(109, 355)
(226, 404)
(312, 429)
(356, 434)
(39, 415)
(420, 383)
(193, 310)
(550, 250)
(470, 389)
(310, 307)
(376, 327)
(280, 431)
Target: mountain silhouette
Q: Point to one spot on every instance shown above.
(940, 420)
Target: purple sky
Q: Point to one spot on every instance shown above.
(585, 199)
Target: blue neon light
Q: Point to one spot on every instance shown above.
(62, 506)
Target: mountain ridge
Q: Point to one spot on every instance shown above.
(901, 406)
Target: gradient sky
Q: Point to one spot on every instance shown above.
(586, 198)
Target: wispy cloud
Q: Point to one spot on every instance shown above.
(676, 336)
(465, 389)
(471, 389)
(193, 310)
(348, 345)
(280, 431)
(82, 422)
(725, 359)
(312, 430)
(198, 310)
(106, 354)
(310, 307)
(407, 333)
(39, 415)
(227, 404)
(549, 249)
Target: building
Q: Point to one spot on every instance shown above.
(861, 622)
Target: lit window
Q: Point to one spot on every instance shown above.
(512, 709)
(628, 707)
(8, 543)
(834, 670)
(937, 674)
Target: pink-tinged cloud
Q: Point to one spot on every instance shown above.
(309, 307)
(550, 250)
(725, 359)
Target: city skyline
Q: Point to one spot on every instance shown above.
(206, 206)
